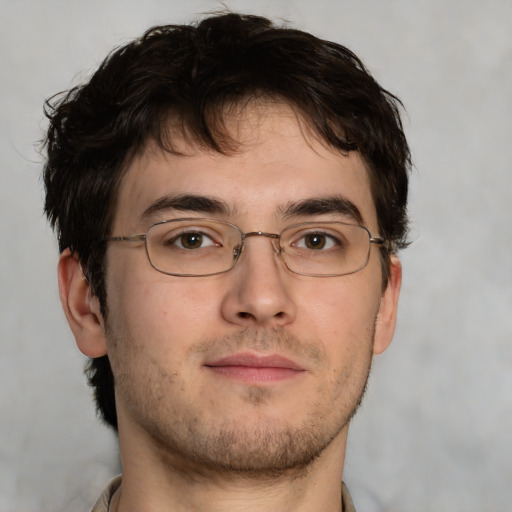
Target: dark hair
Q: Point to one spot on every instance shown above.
(189, 75)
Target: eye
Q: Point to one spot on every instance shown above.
(192, 240)
(316, 241)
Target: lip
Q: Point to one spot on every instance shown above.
(250, 367)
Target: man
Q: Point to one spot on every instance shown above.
(229, 198)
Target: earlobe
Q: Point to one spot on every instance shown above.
(386, 317)
(80, 306)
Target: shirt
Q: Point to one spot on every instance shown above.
(103, 503)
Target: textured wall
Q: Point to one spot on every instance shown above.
(434, 431)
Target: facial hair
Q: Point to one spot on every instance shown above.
(258, 447)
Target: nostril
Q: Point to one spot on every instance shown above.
(244, 315)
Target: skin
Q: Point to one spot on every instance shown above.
(201, 439)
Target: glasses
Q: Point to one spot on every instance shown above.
(193, 247)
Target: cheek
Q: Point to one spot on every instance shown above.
(349, 303)
(343, 317)
(159, 311)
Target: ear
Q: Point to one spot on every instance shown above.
(81, 307)
(386, 317)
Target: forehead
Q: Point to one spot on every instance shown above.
(277, 161)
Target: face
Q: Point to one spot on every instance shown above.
(256, 369)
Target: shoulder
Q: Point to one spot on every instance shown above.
(103, 503)
(346, 500)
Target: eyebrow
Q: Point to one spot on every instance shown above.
(322, 206)
(188, 202)
(212, 205)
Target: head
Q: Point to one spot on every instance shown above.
(181, 86)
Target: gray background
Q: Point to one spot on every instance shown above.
(434, 431)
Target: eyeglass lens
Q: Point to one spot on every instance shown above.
(198, 247)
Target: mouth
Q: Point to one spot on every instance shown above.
(256, 368)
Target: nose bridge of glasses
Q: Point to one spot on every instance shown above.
(273, 236)
(260, 233)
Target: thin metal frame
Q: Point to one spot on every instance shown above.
(237, 251)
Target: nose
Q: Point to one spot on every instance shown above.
(258, 291)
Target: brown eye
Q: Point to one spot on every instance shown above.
(315, 241)
(190, 240)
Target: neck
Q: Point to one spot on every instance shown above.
(156, 480)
